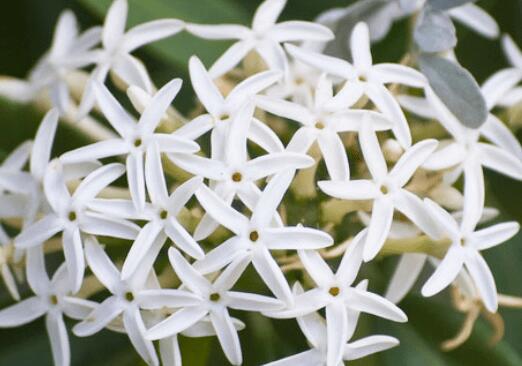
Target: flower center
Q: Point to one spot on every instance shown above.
(224, 116)
(137, 142)
(319, 125)
(215, 297)
(129, 296)
(237, 177)
(384, 189)
(72, 216)
(334, 291)
(254, 236)
(163, 214)
(53, 299)
(363, 78)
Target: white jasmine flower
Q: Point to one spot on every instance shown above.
(135, 137)
(264, 37)
(118, 46)
(206, 298)
(51, 299)
(386, 189)
(256, 236)
(70, 216)
(69, 51)
(322, 122)
(235, 175)
(364, 78)
(315, 330)
(221, 110)
(161, 215)
(342, 301)
(123, 301)
(467, 242)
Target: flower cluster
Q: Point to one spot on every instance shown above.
(191, 203)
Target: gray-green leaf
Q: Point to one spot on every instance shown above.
(456, 88)
(434, 32)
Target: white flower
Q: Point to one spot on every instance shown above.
(135, 137)
(386, 189)
(123, 301)
(466, 244)
(51, 299)
(364, 78)
(161, 215)
(315, 330)
(69, 51)
(257, 236)
(322, 122)
(342, 301)
(70, 216)
(221, 110)
(235, 175)
(118, 46)
(206, 298)
(264, 37)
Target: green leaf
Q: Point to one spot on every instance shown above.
(447, 4)
(181, 46)
(456, 88)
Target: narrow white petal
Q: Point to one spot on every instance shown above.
(372, 153)
(136, 179)
(220, 256)
(337, 332)
(227, 335)
(250, 87)
(335, 155)
(371, 303)
(447, 156)
(498, 84)
(443, 218)
(394, 73)
(352, 260)
(23, 312)
(100, 317)
(187, 274)
(271, 198)
(40, 231)
(55, 189)
(37, 276)
(316, 267)
(445, 273)
(476, 18)
(136, 331)
(411, 160)
(218, 31)
(273, 55)
(311, 357)
(499, 134)
(197, 127)
(265, 137)
(140, 247)
(386, 103)
(122, 122)
(252, 302)
(41, 150)
(58, 337)
(295, 238)
(494, 235)
(149, 32)
(483, 279)
(114, 26)
(98, 150)
(176, 323)
(101, 265)
(207, 92)
(154, 177)
(296, 30)
(99, 224)
(501, 161)
(269, 271)
(417, 211)
(474, 196)
(417, 105)
(512, 51)
(405, 276)
(182, 239)
(96, 181)
(220, 211)
(232, 56)
(197, 165)
(367, 346)
(350, 190)
(270, 164)
(157, 299)
(132, 72)
(379, 227)
(154, 112)
(285, 109)
(74, 257)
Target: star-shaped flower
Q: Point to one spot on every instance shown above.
(123, 301)
(386, 188)
(71, 216)
(466, 244)
(161, 215)
(364, 78)
(118, 46)
(52, 300)
(314, 327)
(342, 301)
(236, 175)
(322, 122)
(221, 110)
(135, 137)
(206, 298)
(256, 236)
(69, 51)
(264, 37)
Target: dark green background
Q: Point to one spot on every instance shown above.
(25, 32)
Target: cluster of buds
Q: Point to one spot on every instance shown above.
(163, 213)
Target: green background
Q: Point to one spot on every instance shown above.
(25, 31)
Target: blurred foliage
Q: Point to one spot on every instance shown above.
(25, 31)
